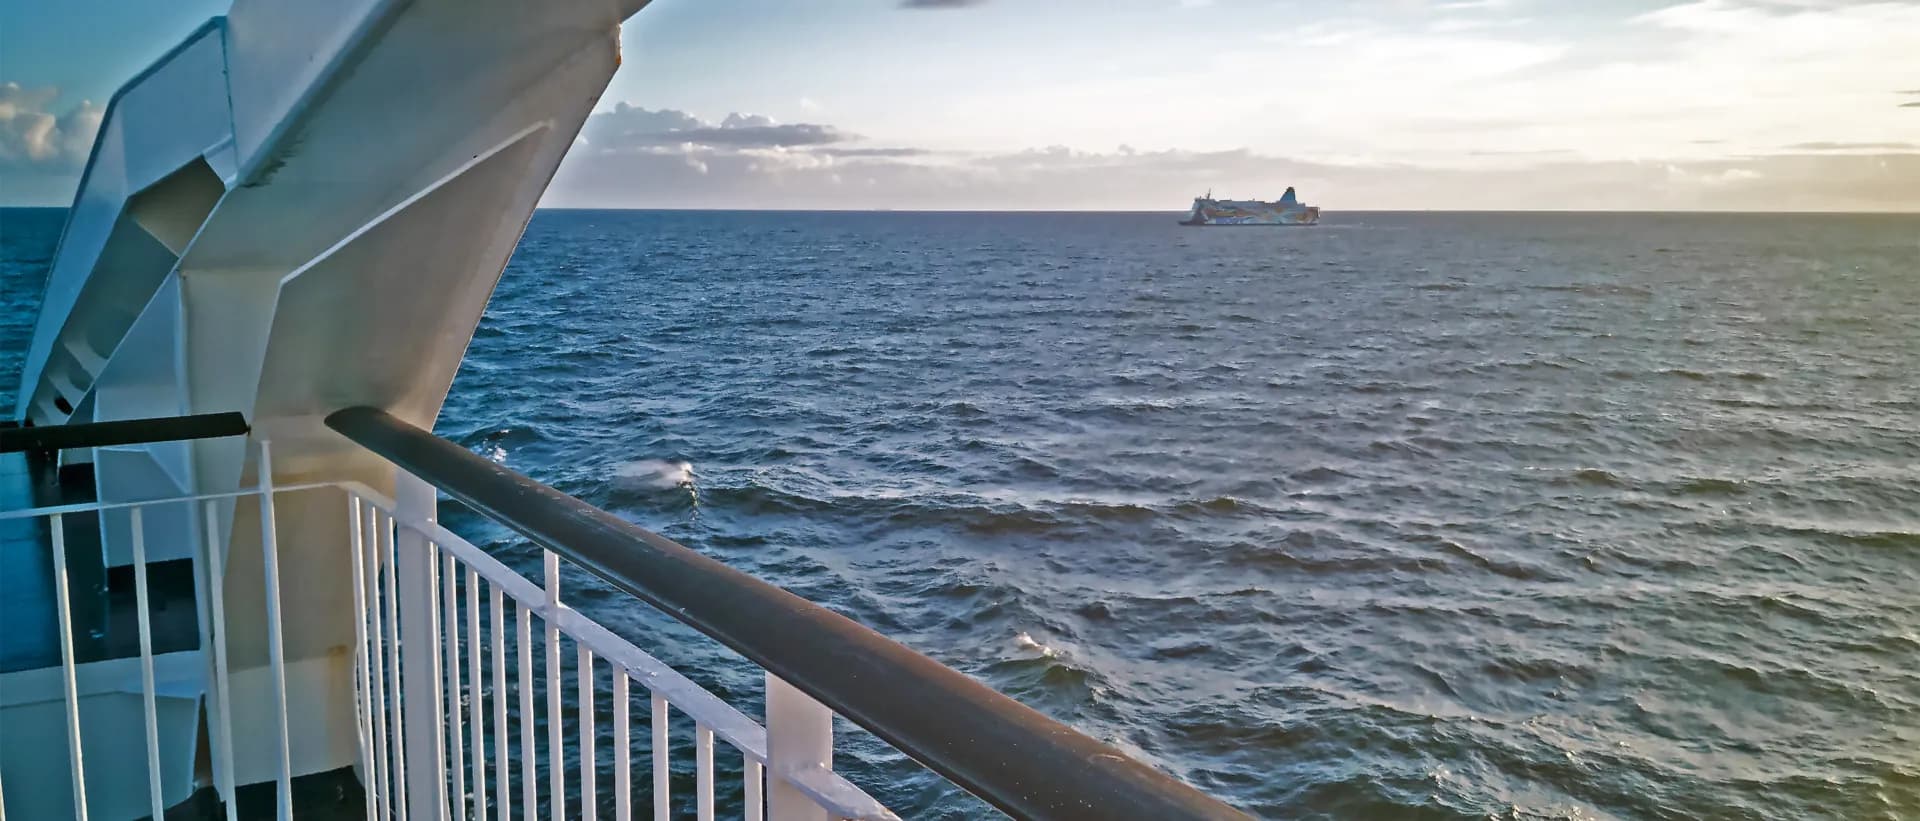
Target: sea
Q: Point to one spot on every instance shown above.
(1406, 515)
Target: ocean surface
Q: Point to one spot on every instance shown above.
(1403, 516)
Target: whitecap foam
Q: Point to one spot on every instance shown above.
(657, 473)
(660, 474)
(1027, 642)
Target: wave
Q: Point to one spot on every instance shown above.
(1597, 289)
(1703, 486)
(1594, 477)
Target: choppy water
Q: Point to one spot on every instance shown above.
(1405, 516)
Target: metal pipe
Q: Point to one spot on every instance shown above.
(276, 654)
(146, 663)
(62, 599)
(622, 747)
(450, 641)
(216, 602)
(477, 703)
(503, 802)
(662, 809)
(523, 642)
(589, 807)
(1010, 755)
(556, 749)
(123, 432)
(370, 772)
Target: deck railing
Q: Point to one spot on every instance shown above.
(472, 665)
(445, 636)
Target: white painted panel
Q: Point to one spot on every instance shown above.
(33, 738)
(142, 381)
(132, 474)
(33, 752)
(176, 112)
(277, 51)
(321, 725)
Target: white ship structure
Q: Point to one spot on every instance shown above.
(1286, 211)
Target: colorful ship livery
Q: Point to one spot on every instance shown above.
(1288, 211)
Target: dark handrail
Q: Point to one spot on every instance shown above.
(124, 432)
(1025, 763)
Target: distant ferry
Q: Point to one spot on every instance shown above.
(1288, 211)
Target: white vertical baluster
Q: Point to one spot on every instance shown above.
(502, 787)
(146, 662)
(65, 615)
(217, 602)
(436, 631)
(703, 771)
(450, 638)
(276, 651)
(750, 775)
(381, 790)
(799, 738)
(385, 533)
(556, 752)
(588, 793)
(362, 718)
(622, 749)
(477, 703)
(529, 783)
(661, 811)
(420, 648)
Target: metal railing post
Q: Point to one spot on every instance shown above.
(276, 653)
(62, 598)
(799, 738)
(414, 502)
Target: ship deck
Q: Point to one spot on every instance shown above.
(105, 615)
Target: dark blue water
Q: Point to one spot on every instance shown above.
(1404, 516)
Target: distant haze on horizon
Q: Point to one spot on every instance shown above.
(1723, 105)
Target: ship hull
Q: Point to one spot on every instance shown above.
(1193, 224)
(1287, 213)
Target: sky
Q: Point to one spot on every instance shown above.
(1745, 105)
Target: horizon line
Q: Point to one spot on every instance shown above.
(1324, 212)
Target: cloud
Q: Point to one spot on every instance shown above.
(692, 175)
(763, 136)
(873, 152)
(1833, 146)
(1541, 152)
(629, 127)
(940, 4)
(1623, 86)
(1910, 105)
(33, 138)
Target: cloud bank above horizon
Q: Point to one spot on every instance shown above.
(632, 157)
(1751, 105)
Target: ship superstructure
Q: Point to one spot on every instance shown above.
(1286, 211)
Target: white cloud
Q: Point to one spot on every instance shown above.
(1433, 82)
(33, 138)
(629, 127)
(1060, 177)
